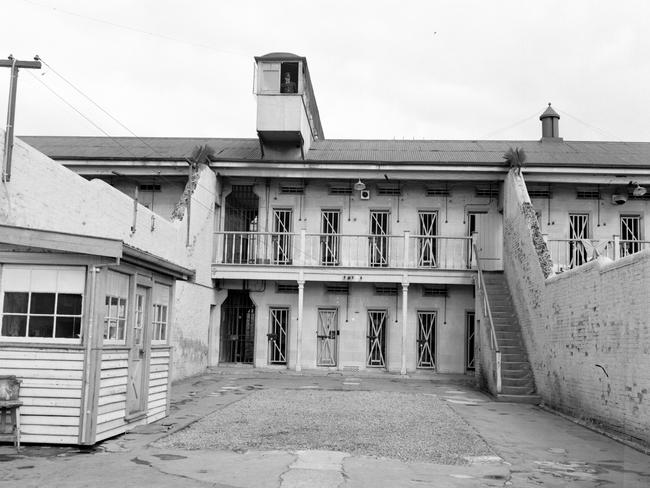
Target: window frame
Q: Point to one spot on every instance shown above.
(160, 328)
(57, 291)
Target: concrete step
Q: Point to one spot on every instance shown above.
(523, 381)
(531, 399)
(518, 390)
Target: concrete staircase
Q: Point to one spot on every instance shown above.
(518, 384)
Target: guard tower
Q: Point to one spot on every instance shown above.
(287, 114)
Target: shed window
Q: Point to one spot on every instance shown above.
(279, 77)
(160, 313)
(117, 291)
(41, 303)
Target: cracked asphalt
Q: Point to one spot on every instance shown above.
(201, 445)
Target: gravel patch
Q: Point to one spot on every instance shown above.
(409, 427)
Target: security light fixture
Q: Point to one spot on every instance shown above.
(359, 185)
(639, 191)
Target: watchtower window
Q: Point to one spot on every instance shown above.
(289, 78)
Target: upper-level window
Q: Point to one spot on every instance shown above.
(41, 303)
(279, 77)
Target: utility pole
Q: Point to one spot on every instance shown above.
(14, 64)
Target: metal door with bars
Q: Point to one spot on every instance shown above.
(282, 238)
(376, 338)
(426, 340)
(427, 246)
(630, 234)
(241, 217)
(470, 341)
(237, 328)
(379, 238)
(578, 230)
(330, 238)
(327, 337)
(277, 336)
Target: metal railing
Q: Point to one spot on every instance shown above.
(569, 253)
(343, 250)
(480, 284)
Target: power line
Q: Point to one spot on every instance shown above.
(593, 127)
(104, 132)
(526, 119)
(135, 29)
(145, 143)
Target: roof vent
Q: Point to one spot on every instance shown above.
(550, 124)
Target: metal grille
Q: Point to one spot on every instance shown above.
(376, 338)
(434, 291)
(630, 234)
(578, 230)
(378, 238)
(539, 193)
(588, 195)
(286, 288)
(426, 340)
(240, 215)
(388, 190)
(437, 192)
(337, 288)
(330, 238)
(277, 336)
(427, 246)
(327, 337)
(237, 328)
(386, 289)
(487, 191)
(470, 338)
(292, 188)
(282, 239)
(340, 190)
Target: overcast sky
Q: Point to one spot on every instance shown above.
(380, 69)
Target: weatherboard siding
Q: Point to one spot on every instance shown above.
(51, 391)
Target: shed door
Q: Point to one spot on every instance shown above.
(490, 244)
(139, 352)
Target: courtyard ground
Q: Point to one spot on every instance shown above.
(244, 427)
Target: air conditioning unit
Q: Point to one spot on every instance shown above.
(365, 194)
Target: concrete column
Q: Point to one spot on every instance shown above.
(405, 289)
(301, 298)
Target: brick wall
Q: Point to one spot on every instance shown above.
(586, 330)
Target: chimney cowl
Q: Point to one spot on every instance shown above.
(550, 124)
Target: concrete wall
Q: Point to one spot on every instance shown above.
(353, 324)
(586, 330)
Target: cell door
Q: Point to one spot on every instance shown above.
(427, 246)
(470, 341)
(282, 238)
(426, 340)
(277, 336)
(379, 238)
(630, 234)
(330, 238)
(327, 337)
(237, 328)
(139, 352)
(376, 338)
(578, 230)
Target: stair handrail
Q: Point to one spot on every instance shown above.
(487, 311)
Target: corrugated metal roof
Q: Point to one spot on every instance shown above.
(568, 153)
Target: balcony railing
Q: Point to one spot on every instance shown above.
(338, 250)
(569, 253)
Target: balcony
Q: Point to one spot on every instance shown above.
(336, 257)
(569, 253)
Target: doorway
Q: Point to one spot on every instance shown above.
(237, 328)
(327, 337)
(139, 352)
